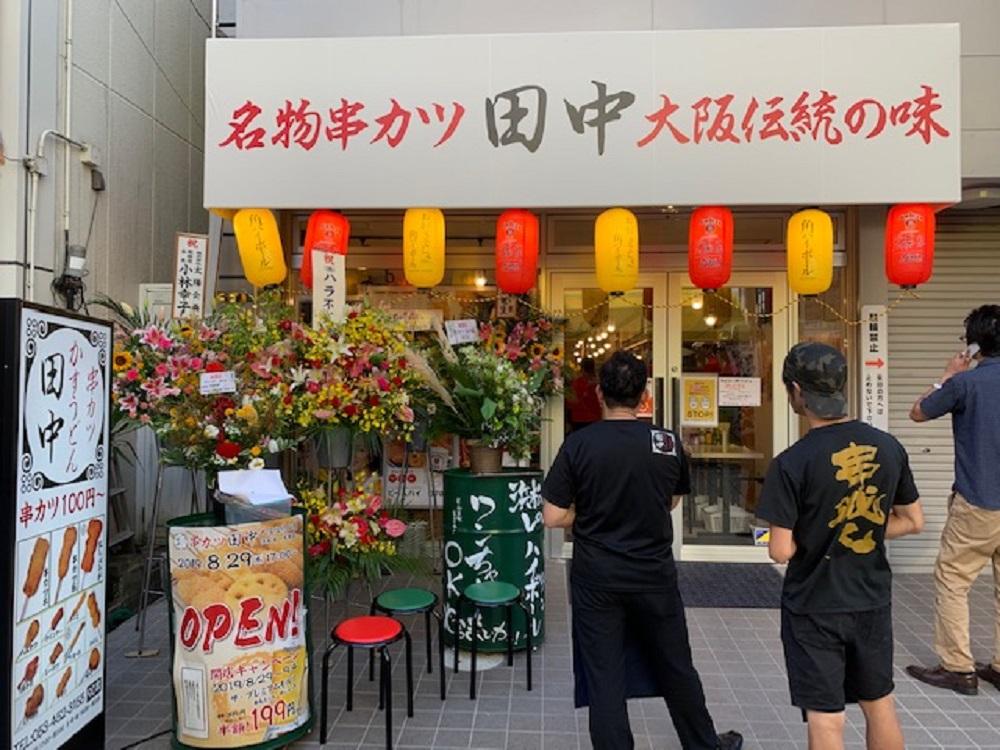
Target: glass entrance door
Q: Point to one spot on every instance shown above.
(597, 326)
(726, 352)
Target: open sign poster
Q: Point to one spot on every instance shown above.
(240, 667)
(55, 456)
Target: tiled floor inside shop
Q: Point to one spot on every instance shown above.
(737, 652)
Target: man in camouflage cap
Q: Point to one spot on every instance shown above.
(832, 500)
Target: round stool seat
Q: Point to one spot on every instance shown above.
(405, 600)
(492, 592)
(367, 630)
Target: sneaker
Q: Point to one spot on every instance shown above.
(989, 673)
(731, 741)
(964, 683)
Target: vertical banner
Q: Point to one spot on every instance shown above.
(875, 367)
(329, 286)
(699, 400)
(56, 562)
(190, 266)
(241, 665)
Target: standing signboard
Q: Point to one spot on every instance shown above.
(239, 632)
(190, 267)
(54, 452)
(329, 286)
(874, 367)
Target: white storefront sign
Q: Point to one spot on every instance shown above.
(862, 114)
(874, 367)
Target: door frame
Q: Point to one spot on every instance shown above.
(783, 431)
(554, 425)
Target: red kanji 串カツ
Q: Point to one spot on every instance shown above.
(660, 119)
(772, 120)
(299, 124)
(924, 123)
(242, 135)
(456, 118)
(723, 123)
(399, 117)
(856, 116)
(344, 123)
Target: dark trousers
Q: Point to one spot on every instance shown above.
(602, 620)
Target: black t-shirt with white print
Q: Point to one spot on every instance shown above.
(621, 475)
(835, 489)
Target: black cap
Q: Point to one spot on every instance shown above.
(821, 372)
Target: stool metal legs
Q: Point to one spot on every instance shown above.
(509, 607)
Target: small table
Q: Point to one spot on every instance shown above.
(726, 461)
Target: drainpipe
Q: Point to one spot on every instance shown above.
(33, 163)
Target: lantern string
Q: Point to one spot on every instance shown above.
(904, 295)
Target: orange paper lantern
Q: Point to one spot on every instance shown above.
(909, 244)
(810, 251)
(327, 231)
(616, 250)
(516, 251)
(710, 247)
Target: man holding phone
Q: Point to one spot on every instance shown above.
(971, 536)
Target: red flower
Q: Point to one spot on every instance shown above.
(351, 410)
(288, 399)
(373, 401)
(285, 325)
(227, 449)
(214, 367)
(397, 381)
(320, 548)
(352, 315)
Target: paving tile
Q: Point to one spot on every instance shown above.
(737, 652)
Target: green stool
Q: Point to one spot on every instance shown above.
(412, 601)
(491, 595)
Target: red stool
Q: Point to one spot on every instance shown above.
(374, 633)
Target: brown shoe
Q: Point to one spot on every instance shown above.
(989, 673)
(965, 683)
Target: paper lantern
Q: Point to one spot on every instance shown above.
(616, 250)
(259, 244)
(710, 247)
(327, 231)
(909, 244)
(423, 247)
(810, 252)
(227, 214)
(516, 251)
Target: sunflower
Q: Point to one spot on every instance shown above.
(499, 347)
(556, 353)
(122, 361)
(537, 350)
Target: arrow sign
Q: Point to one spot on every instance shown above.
(875, 362)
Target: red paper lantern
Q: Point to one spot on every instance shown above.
(327, 231)
(909, 244)
(516, 251)
(710, 247)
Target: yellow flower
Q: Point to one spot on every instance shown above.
(255, 451)
(247, 413)
(122, 360)
(537, 350)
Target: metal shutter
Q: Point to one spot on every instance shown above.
(923, 335)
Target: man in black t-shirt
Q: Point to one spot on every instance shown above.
(615, 483)
(832, 500)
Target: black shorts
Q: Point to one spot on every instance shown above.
(837, 658)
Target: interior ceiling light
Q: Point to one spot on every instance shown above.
(711, 320)
(480, 279)
(611, 327)
(697, 302)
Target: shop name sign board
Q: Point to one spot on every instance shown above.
(781, 116)
(54, 453)
(874, 367)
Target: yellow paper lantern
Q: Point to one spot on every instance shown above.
(227, 214)
(810, 251)
(259, 244)
(423, 247)
(616, 250)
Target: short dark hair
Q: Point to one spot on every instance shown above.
(982, 326)
(588, 366)
(623, 380)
